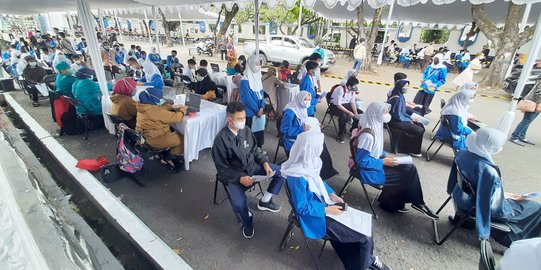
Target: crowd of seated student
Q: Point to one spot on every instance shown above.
(456, 114)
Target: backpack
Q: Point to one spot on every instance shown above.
(129, 155)
(354, 142)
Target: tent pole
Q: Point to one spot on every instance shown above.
(156, 29)
(181, 28)
(147, 26)
(380, 56)
(521, 27)
(527, 69)
(102, 24)
(87, 23)
(49, 24)
(256, 2)
(299, 23)
(70, 24)
(119, 28)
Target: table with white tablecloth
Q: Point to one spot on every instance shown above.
(285, 95)
(221, 78)
(200, 130)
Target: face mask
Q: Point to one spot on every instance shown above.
(307, 103)
(199, 78)
(239, 125)
(257, 68)
(405, 90)
(77, 62)
(387, 118)
(32, 64)
(354, 89)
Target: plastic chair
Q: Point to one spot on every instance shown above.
(467, 188)
(228, 196)
(353, 173)
(294, 222)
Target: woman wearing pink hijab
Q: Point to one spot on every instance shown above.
(123, 104)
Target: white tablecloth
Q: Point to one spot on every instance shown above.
(221, 78)
(286, 95)
(199, 131)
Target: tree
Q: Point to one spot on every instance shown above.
(474, 30)
(168, 26)
(228, 18)
(370, 38)
(505, 40)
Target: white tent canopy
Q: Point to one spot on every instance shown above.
(187, 15)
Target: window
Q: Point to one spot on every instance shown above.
(289, 43)
(439, 36)
(276, 41)
(305, 43)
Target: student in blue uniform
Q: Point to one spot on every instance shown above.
(251, 95)
(492, 203)
(294, 116)
(409, 132)
(456, 112)
(308, 85)
(434, 76)
(401, 183)
(152, 77)
(313, 200)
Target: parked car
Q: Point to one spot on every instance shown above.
(295, 50)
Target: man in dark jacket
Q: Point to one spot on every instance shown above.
(237, 159)
(33, 74)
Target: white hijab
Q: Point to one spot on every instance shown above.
(348, 75)
(440, 63)
(150, 70)
(297, 106)
(252, 73)
(459, 104)
(373, 119)
(304, 160)
(468, 86)
(485, 142)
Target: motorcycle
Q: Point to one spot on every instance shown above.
(205, 47)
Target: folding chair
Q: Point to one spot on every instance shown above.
(294, 222)
(328, 112)
(467, 188)
(186, 83)
(84, 117)
(353, 173)
(280, 142)
(393, 140)
(486, 256)
(442, 104)
(228, 196)
(445, 122)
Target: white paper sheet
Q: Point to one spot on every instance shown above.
(356, 220)
(258, 123)
(259, 178)
(417, 118)
(404, 160)
(43, 89)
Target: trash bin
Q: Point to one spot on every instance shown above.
(6, 84)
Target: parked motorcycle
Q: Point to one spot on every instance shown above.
(205, 47)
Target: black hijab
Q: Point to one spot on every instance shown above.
(397, 89)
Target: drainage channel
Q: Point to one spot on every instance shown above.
(120, 246)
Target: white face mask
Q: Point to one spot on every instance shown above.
(77, 61)
(386, 118)
(307, 103)
(239, 125)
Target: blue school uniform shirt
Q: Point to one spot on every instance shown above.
(290, 128)
(155, 58)
(485, 178)
(398, 109)
(170, 61)
(307, 84)
(119, 57)
(438, 76)
(251, 99)
(369, 168)
(309, 207)
(156, 81)
(458, 133)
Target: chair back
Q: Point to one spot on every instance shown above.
(463, 183)
(108, 76)
(72, 101)
(442, 103)
(486, 256)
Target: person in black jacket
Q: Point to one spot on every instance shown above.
(237, 158)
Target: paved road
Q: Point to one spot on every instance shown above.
(179, 208)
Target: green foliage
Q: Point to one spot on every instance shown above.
(279, 14)
(436, 35)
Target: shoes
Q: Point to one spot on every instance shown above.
(248, 229)
(404, 210)
(341, 139)
(517, 142)
(526, 141)
(378, 265)
(178, 164)
(416, 155)
(426, 211)
(268, 206)
(35, 103)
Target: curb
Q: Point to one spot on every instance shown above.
(118, 214)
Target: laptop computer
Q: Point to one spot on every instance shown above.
(215, 68)
(193, 102)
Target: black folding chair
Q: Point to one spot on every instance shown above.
(394, 138)
(467, 188)
(444, 122)
(328, 112)
(354, 174)
(442, 104)
(486, 256)
(228, 196)
(84, 117)
(294, 222)
(280, 141)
